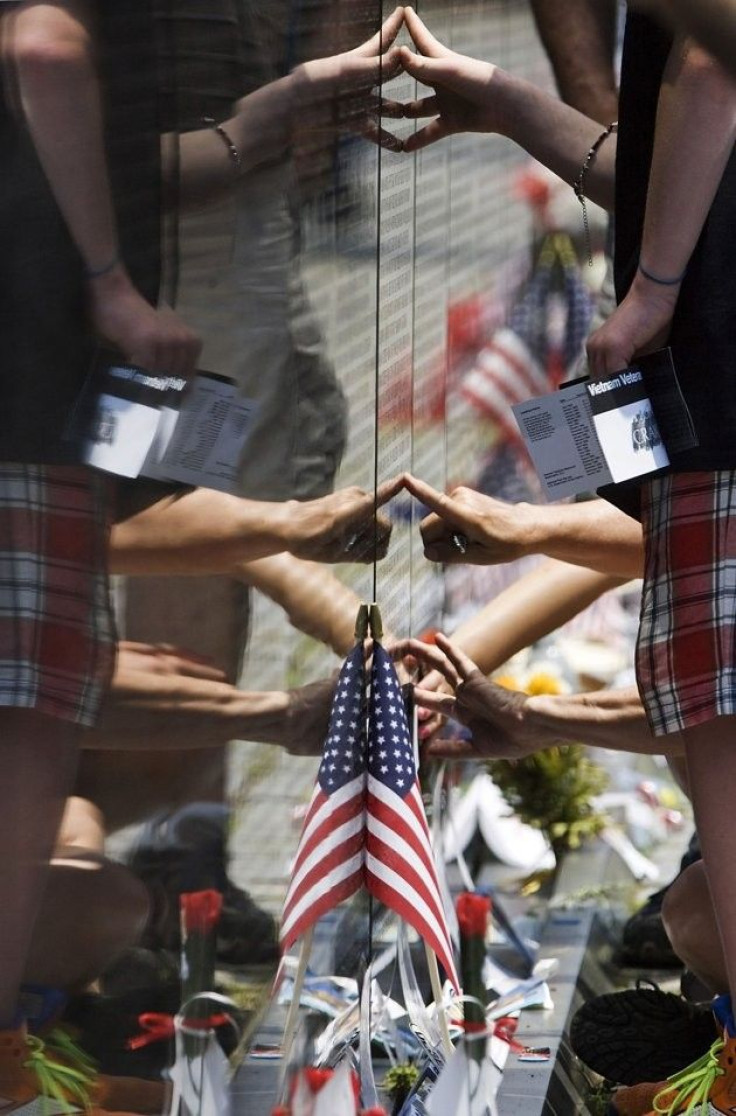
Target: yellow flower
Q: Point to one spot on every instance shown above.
(543, 683)
(508, 681)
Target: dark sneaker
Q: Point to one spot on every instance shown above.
(189, 854)
(641, 1034)
(246, 934)
(644, 941)
(109, 1029)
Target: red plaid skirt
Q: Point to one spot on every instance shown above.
(686, 650)
(57, 634)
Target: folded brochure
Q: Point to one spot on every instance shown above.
(593, 433)
(135, 423)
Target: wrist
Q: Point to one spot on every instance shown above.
(109, 281)
(95, 271)
(505, 94)
(658, 278)
(529, 535)
(263, 716)
(541, 719)
(286, 524)
(262, 125)
(644, 290)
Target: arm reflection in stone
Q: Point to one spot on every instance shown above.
(201, 531)
(184, 707)
(323, 96)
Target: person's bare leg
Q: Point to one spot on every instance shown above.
(689, 919)
(678, 770)
(92, 910)
(711, 761)
(38, 756)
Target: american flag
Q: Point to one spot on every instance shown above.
(329, 861)
(366, 824)
(541, 343)
(399, 865)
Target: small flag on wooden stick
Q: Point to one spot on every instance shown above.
(399, 864)
(366, 825)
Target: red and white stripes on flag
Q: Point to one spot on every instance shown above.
(506, 372)
(329, 861)
(399, 869)
(366, 824)
(399, 863)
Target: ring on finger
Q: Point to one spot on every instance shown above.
(460, 542)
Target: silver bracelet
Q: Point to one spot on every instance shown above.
(235, 156)
(579, 183)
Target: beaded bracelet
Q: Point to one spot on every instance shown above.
(579, 183)
(235, 156)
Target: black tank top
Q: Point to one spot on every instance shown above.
(703, 334)
(45, 345)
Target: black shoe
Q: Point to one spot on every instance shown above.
(644, 941)
(192, 857)
(246, 934)
(642, 1034)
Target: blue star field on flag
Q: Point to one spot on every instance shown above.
(343, 755)
(390, 747)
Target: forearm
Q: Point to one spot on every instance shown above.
(183, 713)
(51, 50)
(314, 600)
(696, 129)
(579, 37)
(592, 533)
(260, 131)
(555, 134)
(612, 719)
(198, 532)
(535, 605)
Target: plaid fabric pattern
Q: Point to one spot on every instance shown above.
(57, 634)
(686, 650)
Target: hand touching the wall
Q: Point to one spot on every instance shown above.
(468, 527)
(342, 527)
(337, 94)
(459, 690)
(464, 88)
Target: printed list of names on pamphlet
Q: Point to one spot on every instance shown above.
(577, 416)
(559, 434)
